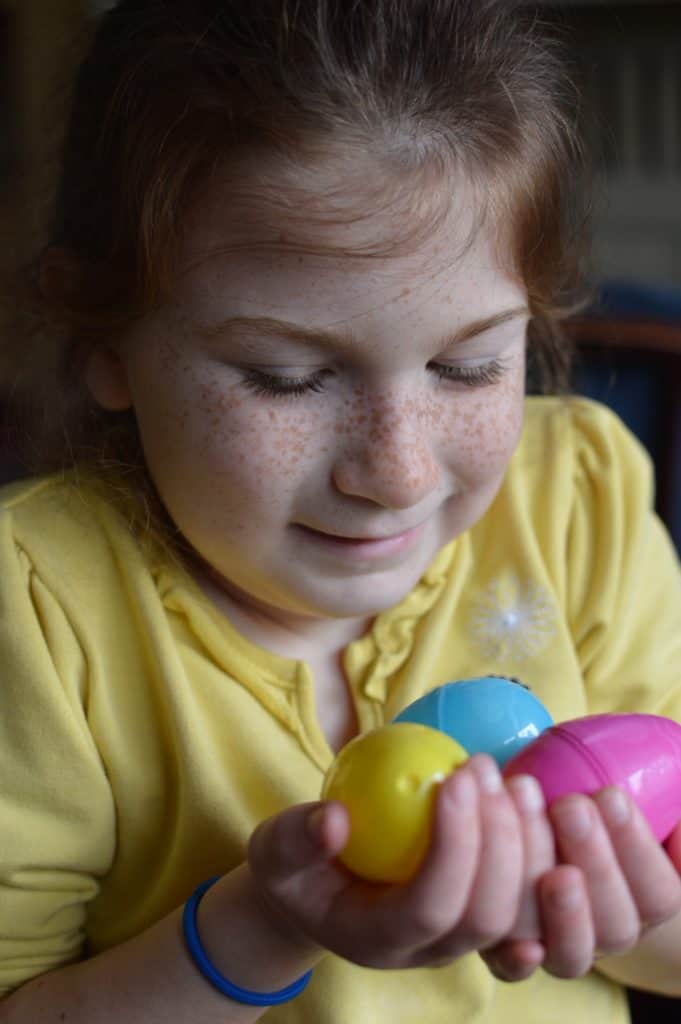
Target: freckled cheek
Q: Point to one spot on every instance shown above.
(496, 436)
(479, 432)
(253, 444)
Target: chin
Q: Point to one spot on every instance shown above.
(366, 595)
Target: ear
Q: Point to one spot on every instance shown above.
(107, 380)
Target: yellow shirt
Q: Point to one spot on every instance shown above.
(142, 738)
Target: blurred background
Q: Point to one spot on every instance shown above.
(628, 61)
(627, 58)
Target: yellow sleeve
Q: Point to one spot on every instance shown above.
(624, 577)
(57, 822)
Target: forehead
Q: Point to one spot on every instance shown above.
(347, 205)
(339, 244)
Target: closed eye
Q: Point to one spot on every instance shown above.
(478, 376)
(275, 386)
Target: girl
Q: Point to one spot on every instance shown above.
(299, 251)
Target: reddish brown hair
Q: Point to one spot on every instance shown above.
(172, 89)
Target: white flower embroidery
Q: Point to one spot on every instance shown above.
(513, 620)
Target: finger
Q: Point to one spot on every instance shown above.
(514, 960)
(495, 899)
(486, 911)
(583, 841)
(568, 930)
(298, 839)
(652, 879)
(436, 898)
(538, 851)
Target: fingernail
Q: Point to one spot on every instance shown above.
(461, 789)
(489, 776)
(615, 806)
(529, 794)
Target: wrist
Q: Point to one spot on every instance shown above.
(247, 939)
(280, 925)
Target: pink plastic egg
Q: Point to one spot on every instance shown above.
(638, 752)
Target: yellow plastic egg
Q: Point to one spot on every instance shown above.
(388, 779)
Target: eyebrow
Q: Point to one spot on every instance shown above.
(331, 338)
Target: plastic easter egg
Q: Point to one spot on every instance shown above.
(491, 715)
(638, 752)
(388, 779)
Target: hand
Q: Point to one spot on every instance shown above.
(465, 897)
(615, 881)
(522, 951)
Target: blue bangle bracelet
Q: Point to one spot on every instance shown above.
(198, 955)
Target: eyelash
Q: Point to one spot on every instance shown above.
(269, 385)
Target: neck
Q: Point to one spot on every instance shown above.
(283, 632)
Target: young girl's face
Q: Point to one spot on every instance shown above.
(319, 426)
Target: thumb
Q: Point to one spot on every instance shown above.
(298, 839)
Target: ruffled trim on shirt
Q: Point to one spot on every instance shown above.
(373, 659)
(284, 685)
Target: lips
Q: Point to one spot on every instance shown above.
(363, 549)
(364, 538)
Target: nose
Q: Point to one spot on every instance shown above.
(388, 457)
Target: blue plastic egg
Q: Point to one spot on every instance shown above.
(491, 715)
